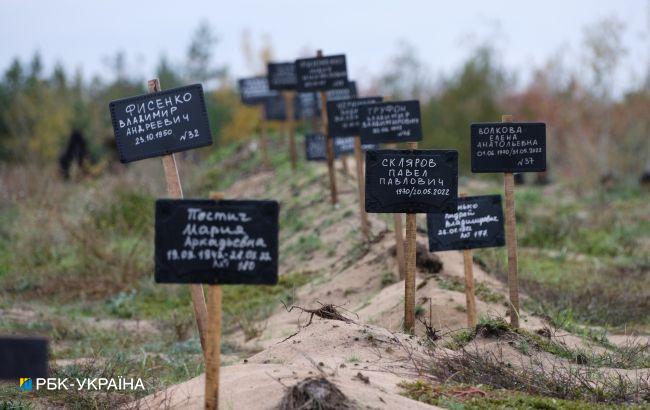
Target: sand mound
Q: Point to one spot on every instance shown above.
(364, 362)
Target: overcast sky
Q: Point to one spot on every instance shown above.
(81, 33)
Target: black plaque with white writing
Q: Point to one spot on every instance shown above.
(216, 242)
(345, 146)
(477, 223)
(508, 147)
(307, 105)
(397, 121)
(316, 148)
(345, 93)
(275, 109)
(321, 73)
(160, 123)
(255, 90)
(23, 357)
(343, 116)
(282, 76)
(411, 181)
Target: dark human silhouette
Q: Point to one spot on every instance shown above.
(76, 150)
(645, 178)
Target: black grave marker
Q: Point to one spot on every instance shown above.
(216, 242)
(23, 357)
(316, 148)
(255, 90)
(343, 116)
(411, 181)
(508, 147)
(321, 73)
(477, 223)
(282, 76)
(307, 105)
(345, 93)
(161, 123)
(275, 109)
(397, 121)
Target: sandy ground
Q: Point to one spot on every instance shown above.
(336, 350)
(372, 345)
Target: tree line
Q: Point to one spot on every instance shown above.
(592, 128)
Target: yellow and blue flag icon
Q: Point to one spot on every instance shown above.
(25, 384)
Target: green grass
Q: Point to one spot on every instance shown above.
(630, 356)
(481, 290)
(456, 397)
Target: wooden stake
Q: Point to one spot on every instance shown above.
(330, 144)
(409, 279)
(213, 352)
(511, 241)
(468, 264)
(263, 139)
(361, 183)
(399, 244)
(174, 190)
(288, 103)
(399, 237)
(344, 164)
(469, 287)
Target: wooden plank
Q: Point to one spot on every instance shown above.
(330, 144)
(344, 164)
(511, 240)
(263, 139)
(175, 190)
(470, 298)
(213, 353)
(291, 128)
(361, 184)
(399, 236)
(410, 265)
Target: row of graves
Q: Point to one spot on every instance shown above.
(217, 241)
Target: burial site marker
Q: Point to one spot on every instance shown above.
(411, 181)
(476, 223)
(216, 242)
(509, 147)
(321, 74)
(23, 358)
(392, 122)
(344, 120)
(282, 77)
(163, 135)
(255, 91)
(316, 146)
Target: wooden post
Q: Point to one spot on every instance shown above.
(361, 183)
(399, 237)
(344, 164)
(174, 190)
(469, 287)
(288, 103)
(399, 244)
(213, 352)
(330, 144)
(263, 140)
(468, 264)
(409, 277)
(511, 241)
